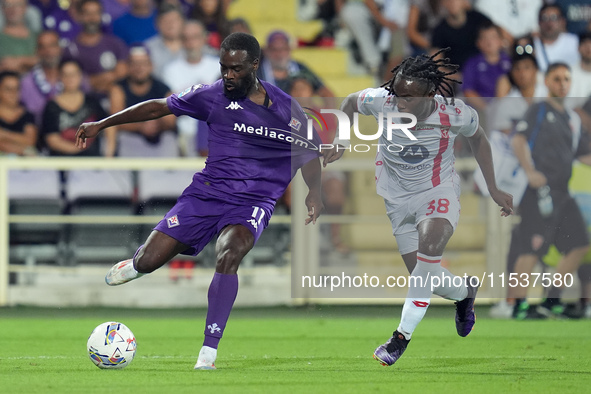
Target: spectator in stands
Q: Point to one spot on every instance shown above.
(17, 40)
(33, 19)
(423, 17)
(522, 80)
(481, 72)
(517, 90)
(101, 55)
(167, 45)
(577, 14)
(277, 66)
(63, 115)
(327, 11)
(581, 71)
(459, 30)
(65, 22)
(115, 8)
(363, 19)
(558, 141)
(516, 17)
(554, 44)
(138, 24)
(194, 68)
(239, 25)
(18, 132)
(45, 7)
(154, 138)
(212, 14)
(42, 82)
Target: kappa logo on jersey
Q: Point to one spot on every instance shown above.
(295, 124)
(445, 132)
(234, 105)
(173, 221)
(213, 328)
(414, 154)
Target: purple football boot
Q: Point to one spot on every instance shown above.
(465, 317)
(388, 353)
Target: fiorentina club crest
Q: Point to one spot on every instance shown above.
(173, 221)
(295, 124)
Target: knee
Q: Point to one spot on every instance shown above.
(229, 256)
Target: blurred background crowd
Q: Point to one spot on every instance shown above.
(65, 62)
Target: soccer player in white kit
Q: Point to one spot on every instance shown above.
(419, 185)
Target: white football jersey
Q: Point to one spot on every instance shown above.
(405, 166)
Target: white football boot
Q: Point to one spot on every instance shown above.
(206, 358)
(121, 273)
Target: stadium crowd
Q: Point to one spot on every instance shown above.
(63, 63)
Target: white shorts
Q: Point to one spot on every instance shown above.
(405, 213)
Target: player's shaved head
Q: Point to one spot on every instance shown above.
(243, 42)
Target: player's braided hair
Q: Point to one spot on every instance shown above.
(426, 68)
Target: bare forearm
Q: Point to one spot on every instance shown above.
(483, 154)
(147, 110)
(523, 153)
(312, 175)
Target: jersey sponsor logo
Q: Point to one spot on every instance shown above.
(276, 134)
(417, 167)
(414, 154)
(173, 221)
(295, 124)
(234, 106)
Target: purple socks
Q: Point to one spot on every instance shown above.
(221, 296)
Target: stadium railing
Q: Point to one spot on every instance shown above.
(305, 239)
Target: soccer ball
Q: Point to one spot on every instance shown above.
(111, 345)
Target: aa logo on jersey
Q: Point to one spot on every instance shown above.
(414, 154)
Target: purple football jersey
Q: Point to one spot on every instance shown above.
(254, 151)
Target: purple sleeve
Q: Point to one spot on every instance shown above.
(195, 101)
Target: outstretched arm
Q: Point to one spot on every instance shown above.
(348, 106)
(312, 176)
(147, 110)
(482, 152)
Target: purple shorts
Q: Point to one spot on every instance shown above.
(195, 220)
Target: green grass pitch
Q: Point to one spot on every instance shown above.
(294, 350)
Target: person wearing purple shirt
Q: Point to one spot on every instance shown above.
(102, 55)
(482, 71)
(257, 142)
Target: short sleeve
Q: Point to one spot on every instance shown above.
(471, 122)
(195, 101)
(368, 102)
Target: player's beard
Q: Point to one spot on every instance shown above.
(241, 88)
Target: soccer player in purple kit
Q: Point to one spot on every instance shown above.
(257, 143)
